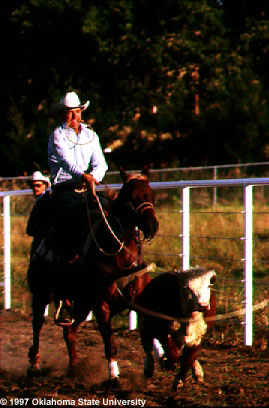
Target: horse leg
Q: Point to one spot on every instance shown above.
(69, 335)
(38, 308)
(103, 317)
(80, 313)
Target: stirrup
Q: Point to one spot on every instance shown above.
(63, 316)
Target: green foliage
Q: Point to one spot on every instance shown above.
(127, 57)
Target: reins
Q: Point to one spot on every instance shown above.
(142, 207)
(108, 226)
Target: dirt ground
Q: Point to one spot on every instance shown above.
(235, 376)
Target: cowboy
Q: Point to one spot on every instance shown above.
(76, 161)
(74, 150)
(40, 183)
(37, 225)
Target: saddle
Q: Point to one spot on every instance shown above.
(59, 246)
(64, 232)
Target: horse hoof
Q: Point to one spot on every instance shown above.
(177, 384)
(112, 383)
(33, 371)
(167, 364)
(149, 366)
(74, 369)
(115, 382)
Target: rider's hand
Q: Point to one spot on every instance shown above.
(90, 182)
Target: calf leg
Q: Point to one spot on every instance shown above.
(197, 371)
(194, 333)
(187, 360)
(178, 337)
(147, 344)
(170, 358)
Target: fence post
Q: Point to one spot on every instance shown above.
(7, 275)
(214, 188)
(248, 264)
(185, 228)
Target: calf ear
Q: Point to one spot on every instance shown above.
(213, 276)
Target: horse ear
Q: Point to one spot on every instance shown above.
(145, 171)
(123, 174)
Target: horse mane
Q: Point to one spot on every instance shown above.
(110, 193)
(136, 177)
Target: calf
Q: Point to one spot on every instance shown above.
(177, 298)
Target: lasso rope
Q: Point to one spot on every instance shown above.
(238, 312)
(136, 307)
(75, 143)
(108, 226)
(121, 243)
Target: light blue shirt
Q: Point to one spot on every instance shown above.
(70, 155)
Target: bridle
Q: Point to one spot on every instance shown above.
(138, 211)
(142, 207)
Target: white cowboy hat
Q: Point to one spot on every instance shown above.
(69, 101)
(38, 176)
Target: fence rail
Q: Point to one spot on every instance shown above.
(185, 187)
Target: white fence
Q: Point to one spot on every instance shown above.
(186, 187)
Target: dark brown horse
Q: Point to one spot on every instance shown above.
(110, 251)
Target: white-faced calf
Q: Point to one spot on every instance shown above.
(185, 298)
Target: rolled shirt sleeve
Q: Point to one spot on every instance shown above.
(98, 166)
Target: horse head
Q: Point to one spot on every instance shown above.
(137, 202)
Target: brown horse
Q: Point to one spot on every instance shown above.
(110, 251)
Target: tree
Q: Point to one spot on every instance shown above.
(146, 69)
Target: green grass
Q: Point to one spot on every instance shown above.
(222, 254)
(219, 253)
(216, 239)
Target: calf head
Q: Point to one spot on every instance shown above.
(197, 284)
